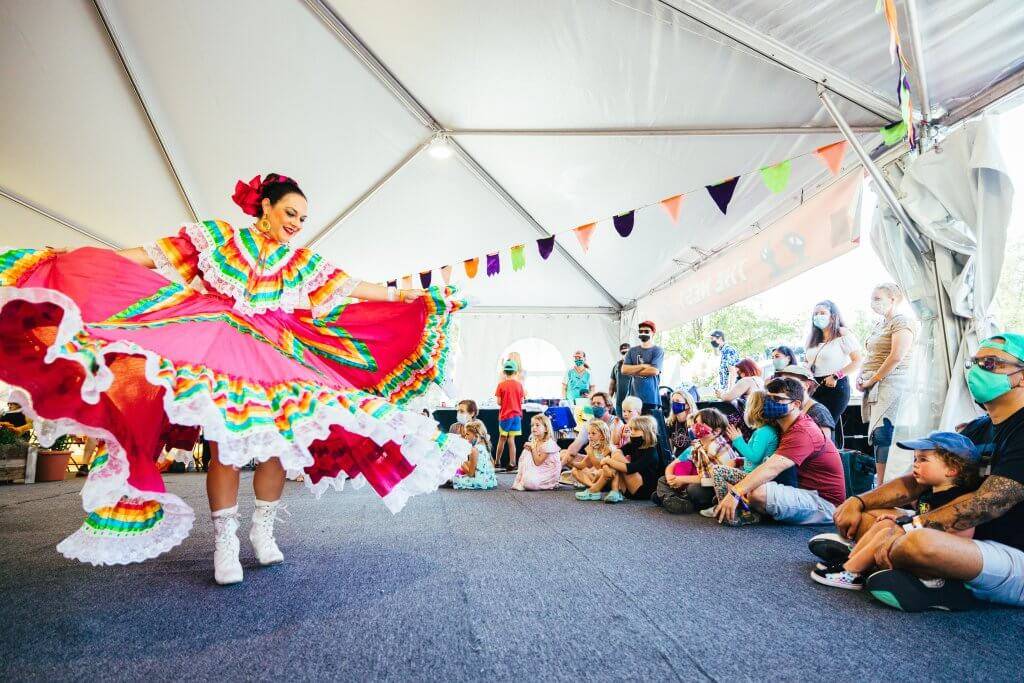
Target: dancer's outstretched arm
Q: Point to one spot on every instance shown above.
(368, 291)
(138, 255)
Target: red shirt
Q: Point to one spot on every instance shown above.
(510, 395)
(819, 467)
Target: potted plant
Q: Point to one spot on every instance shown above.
(52, 462)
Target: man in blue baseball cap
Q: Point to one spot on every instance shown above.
(929, 566)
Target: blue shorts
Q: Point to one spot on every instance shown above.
(512, 426)
(1002, 574)
(792, 505)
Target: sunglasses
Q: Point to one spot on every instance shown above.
(991, 363)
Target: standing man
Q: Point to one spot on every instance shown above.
(618, 386)
(730, 358)
(642, 365)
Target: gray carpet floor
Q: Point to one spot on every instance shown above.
(496, 585)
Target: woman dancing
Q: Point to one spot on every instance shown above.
(272, 361)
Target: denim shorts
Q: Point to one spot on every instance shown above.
(1002, 574)
(881, 439)
(512, 426)
(796, 506)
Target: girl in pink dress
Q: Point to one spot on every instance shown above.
(540, 464)
(273, 362)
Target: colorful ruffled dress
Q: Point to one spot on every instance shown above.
(272, 360)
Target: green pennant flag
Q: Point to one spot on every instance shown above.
(518, 257)
(894, 133)
(776, 177)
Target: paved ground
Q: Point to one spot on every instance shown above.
(467, 586)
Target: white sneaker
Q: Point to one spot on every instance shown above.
(262, 533)
(226, 567)
(708, 512)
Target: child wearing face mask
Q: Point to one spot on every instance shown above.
(683, 410)
(687, 483)
(539, 464)
(477, 473)
(947, 463)
(466, 411)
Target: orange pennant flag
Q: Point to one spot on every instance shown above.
(584, 233)
(446, 273)
(471, 266)
(407, 282)
(671, 206)
(832, 155)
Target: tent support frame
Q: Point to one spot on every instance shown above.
(46, 213)
(125, 62)
(652, 132)
(706, 14)
(376, 67)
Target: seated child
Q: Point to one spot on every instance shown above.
(681, 489)
(539, 464)
(599, 446)
(477, 473)
(947, 463)
(631, 472)
(763, 441)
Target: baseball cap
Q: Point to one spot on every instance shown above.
(1011, 343)
(648, 323)
(957, 444)
(798, 370)
(510, 366)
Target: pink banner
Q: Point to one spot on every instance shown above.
(826, 226)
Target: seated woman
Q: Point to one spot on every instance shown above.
(683, 410)
(762, 443)
(477, 473)
(632, 472)
(693, 466)
(749, 380)
(599, 446)
(539, 465)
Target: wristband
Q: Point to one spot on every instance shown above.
(863, 506)
(392, 293)
(839, 375)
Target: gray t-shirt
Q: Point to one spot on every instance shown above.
(645, 388)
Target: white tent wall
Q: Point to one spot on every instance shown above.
(484, 337)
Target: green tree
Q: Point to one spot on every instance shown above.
(1010, 292)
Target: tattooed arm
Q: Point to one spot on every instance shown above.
(897, 493)
(993, 498)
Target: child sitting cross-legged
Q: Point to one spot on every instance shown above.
(947, 463)
(477, 472)
(633, 471)
(686, 486)
(599, 446)
(539, 465)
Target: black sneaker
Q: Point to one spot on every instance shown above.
(906, 592)
(831, 548)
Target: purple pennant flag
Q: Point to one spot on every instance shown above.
(493, 264)
(624, 224)
(393, 283)
(545, 245)
(722, 193)
(425, 278)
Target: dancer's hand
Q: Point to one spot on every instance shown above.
(58, 250)
(410, 295)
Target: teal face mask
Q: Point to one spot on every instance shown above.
(987, 386)
(820, 320)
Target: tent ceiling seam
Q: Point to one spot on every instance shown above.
(377, 67)
(786, 57)
(125, 62)
(50, 215)
(656, 132)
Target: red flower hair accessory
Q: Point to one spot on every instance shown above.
(248, 196)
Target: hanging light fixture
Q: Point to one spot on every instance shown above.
(440, 146)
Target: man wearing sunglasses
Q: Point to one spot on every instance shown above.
(928, 568)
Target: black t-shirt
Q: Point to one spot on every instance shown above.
(645, 462)
(821, 416)
(930, 500)
(982, 433)
(16, 419)
(1008, 462)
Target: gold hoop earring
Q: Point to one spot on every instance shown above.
(263, 226)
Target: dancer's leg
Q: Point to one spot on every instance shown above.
(268, 482)
(221, 483)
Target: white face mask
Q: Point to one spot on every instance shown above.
(463, 418)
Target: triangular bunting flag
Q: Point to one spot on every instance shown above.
(722, 193)
(894, 133)
(425, 278)
(776, 177)
(545, 245)
(584, 233)
(446, 274)
(471, 266)
(832, 155)
(407, 282)
(393, 283)
(493, 264)
(671, 206)
(624, 224)
(518, 257)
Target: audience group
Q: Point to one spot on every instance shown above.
(948, 533)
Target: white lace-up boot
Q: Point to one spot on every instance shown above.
(226, 567)
(262, 532)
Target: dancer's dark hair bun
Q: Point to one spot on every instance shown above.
(276, 186)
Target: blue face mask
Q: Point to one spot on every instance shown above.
(820, 320)
(678, 407)
(599, 411)
(773, 410)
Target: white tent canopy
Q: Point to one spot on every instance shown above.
(121, 120)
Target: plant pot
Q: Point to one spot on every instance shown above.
(52, 465)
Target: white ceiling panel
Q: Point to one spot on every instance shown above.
(21, 228)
